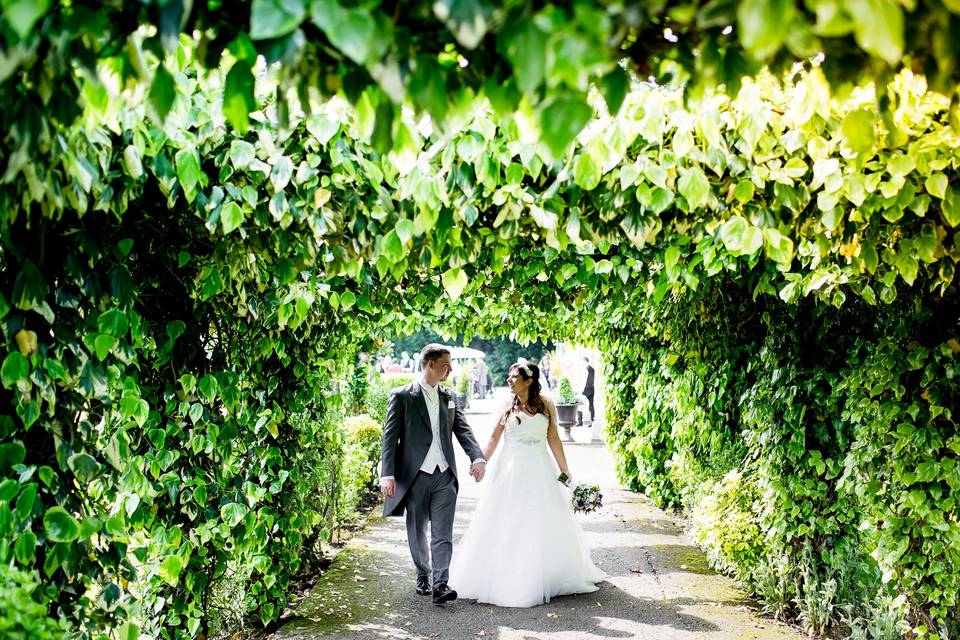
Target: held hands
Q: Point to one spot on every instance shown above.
(388, 487)
(477, 470)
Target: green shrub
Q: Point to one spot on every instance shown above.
(724, 524)
(378, 393)
(565, 394)
(359, 477)
(23, 614)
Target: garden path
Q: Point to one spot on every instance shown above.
(659, 585)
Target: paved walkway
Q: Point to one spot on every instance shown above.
(659, 586)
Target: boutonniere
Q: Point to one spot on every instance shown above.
(443, 391)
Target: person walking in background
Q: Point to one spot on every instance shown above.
(588, 387)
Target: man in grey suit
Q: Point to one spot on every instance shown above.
(418, 471)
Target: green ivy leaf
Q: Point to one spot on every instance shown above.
(22, 15)
(877, 27)
(242, 153)
(103, 345)
(113, 323)
(29, 287)
(858, 130)
(907, 265)
(454, 282)
(238, 96)
(9, 487)
(763, 25)
(868, 253)
(233, 513)
(951, 207)
(25, 502)
(275, 18)
(15, 369)
(615, 85)
(11, 453)
(25, 548)
(281, 173)
(352, 31)
(561, 121)
(936, 185)
(670, 258)
(163, 91)
(188, 171)
(60, 526)
(392, 247)
(132, 163)
(694, 187)
(744, 191)
(586, 172)
(209, 387)
(468, 20)
(525, 48)
(83, 466)
(231, 217)
(778, 247)
(128, 631)
(733, 234)
(170, 570)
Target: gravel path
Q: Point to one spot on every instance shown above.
(659, 585)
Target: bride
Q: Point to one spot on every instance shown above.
(524, 545)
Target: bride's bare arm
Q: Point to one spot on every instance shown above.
(494, 438)
(553, 438)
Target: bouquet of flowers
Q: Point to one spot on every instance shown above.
(586, 497)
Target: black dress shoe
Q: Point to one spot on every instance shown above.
(443, 594)
(423, 585)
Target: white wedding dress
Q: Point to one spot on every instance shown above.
(524, 545)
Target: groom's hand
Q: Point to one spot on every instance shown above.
(477, 470)
(388, 487)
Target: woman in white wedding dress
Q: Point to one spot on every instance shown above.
(524, 545)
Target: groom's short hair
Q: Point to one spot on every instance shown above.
(433, 352)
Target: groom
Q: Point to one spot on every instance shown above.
(418, 470)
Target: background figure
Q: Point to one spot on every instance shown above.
(480, 386)
(406, 362)
(544, 366)
(588, 387)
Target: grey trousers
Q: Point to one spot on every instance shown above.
(432, 498)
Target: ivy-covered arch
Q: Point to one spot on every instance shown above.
(182, 301)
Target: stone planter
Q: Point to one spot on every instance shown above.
(567, 418)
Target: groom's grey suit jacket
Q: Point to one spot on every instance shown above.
(407, 437)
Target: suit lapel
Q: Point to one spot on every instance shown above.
(442, 412)
(421, 404)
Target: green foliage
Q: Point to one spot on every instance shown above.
(839, 502)
(378, 392)
(375, 401)
(361, 462)
(435, 57)
(725, 525)
(23, 610)
(182, 304)
(565, 394)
